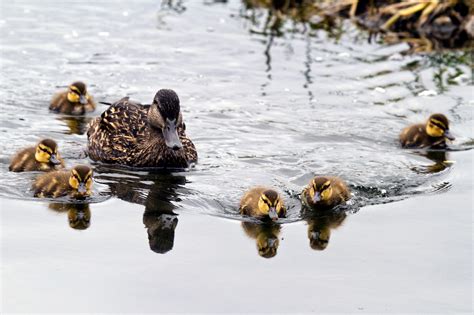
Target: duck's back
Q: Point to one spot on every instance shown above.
(114, 135)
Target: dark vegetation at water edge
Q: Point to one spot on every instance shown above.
(425, 25)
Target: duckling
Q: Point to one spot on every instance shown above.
(324, 192)
(43, 157)
(75, 100)
(76, 183)
(266, 236)
(432, 134)
(262, 202)
(132, 134)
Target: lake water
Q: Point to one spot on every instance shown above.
(261, 110)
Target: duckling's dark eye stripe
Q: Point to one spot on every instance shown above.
(439, 125)
(324, 187)
(44, 150)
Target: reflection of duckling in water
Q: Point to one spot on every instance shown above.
(77, 125)
(266, 235)
(160, 228)
(43, 157)
(320, 226)
(325, 192)
(432, 134)
(439, 157)
(79, 215)
(75, 100)
(76, 183)
(261, 202)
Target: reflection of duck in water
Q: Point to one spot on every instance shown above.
(79, 215)
(261, 202)
(266, 235)
(432, 134)
(320, 225)
(440, 159)
(77, 124)
(159, 218)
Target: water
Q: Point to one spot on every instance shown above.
(262, 110)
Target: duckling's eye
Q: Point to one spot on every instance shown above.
(324, 187)
(45, 149)
(437, 124)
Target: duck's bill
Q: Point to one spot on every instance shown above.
(54, 159)
(317, 197)
(170, 133)
(83, 99)
(449, 135)
(82, 189)
(272, 213)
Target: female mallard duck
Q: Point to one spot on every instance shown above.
(76, 183)
(432, 134)
(262, 202)
(43, 157)
(138, 135)
(325, 193)
(75, 100)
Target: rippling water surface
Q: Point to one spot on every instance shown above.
(262, 109)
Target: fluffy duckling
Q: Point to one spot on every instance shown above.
(325, 193)
(432, 134)
(266, 236)
(43, 157)
(132, 134)
(262, 202)
(75, 100)
(76, 183)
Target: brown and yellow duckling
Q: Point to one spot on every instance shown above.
(76, 183)
(75, 100)
(261, 202)
(325, 192)
(43, 157)
(132, 134)
(432, 134)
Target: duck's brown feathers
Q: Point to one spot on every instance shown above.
(25, 161)
(61, 104)
(340, 194)
(415, 136)
(122, 135)
(53, 184)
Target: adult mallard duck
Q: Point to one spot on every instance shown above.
(261, 202)
(325, 192)
(75, 100)
(432, 134)
(132, 134)
(43, 157)
(76, 183)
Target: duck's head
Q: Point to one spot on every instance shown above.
(270, 204)
(165, 115)
(438, 126)
(80, 180)
(77, 93)
(267, 245)
(320, 189)
(319, 239)
(47, 152)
